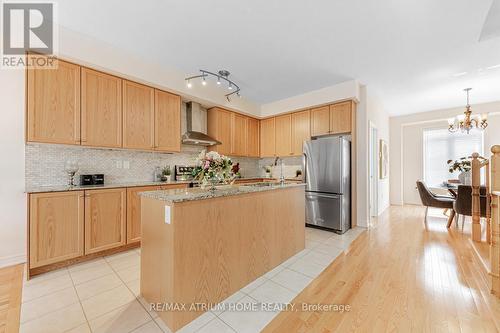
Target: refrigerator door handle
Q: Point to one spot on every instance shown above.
(321, 195)
(304, 167)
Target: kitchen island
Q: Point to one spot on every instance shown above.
(201, 246)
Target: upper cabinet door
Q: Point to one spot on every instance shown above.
(340, 117)
(301, 130)
(239, 134)
(219, 128)
(320, 121)
(253, 137)
(54, 104)
(267, 138)
(283, 135)
(101, 109)
(138, 116)
(167, 121)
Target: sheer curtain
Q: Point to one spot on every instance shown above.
(440, 146)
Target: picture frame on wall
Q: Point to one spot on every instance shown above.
(384, 159)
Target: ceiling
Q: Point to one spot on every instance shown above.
(416, 55)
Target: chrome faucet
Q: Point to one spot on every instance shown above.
(282, 177)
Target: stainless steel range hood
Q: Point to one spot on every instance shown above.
(195, 125)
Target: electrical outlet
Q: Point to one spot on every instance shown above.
(119, 164)
(126, 164)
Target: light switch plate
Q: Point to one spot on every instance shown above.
(118, 164)
(167, 214)
(126, 164)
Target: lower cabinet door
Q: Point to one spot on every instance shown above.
(134, 212)
(105, 219)
(134, 208)
(55, 227)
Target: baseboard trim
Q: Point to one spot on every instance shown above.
(12, 260)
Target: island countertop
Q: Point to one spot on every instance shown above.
(193, 194)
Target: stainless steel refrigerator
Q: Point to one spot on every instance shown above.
(327, 169)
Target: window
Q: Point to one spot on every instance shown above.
(440, 146)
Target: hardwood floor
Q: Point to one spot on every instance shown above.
(11, 282)
(400, 276)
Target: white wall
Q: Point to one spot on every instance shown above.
(406, 150)
(12, 197)
(84, 50)
(370, 109)
(341, 91)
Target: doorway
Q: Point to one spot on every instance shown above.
(373, 170)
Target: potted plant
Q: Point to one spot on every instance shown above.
(212, 168)
(166, 174)
(464, 165)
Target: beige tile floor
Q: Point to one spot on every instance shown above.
(103, 295)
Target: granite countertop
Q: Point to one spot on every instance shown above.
(64, 188)
(193, 194)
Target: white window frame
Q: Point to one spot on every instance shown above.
(424, 146)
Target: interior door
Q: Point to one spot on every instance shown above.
(324, 210)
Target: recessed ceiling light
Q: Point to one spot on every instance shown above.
(493, 67)
(460, 74)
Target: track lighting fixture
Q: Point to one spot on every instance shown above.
(221, 75)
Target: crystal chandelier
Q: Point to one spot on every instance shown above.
(467, 122)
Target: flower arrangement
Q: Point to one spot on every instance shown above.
(463, 164)
(212, 168)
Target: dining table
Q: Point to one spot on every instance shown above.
(452, 188)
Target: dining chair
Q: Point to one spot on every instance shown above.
(430, 199)
(463, 203)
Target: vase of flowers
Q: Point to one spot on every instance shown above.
(464, 165)
(212, 169)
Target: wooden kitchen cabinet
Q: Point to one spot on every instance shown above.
(253, 137)
(219, 128)
(101, 121)
(301, 130)
(167, 122)
(134, 208)
(320, 121)
(340, 117)
(267, 138)
(239, 135)
(134, 212)
(53, 104)
(56, 226)
(283, 134)
(138, 116)
(105, 219)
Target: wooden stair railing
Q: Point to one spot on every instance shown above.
(477, 165)
(495, 220)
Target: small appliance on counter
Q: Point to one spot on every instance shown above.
(183, 172)
(96, 179)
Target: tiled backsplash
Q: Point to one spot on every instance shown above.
(290, 166)
(45, 163)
